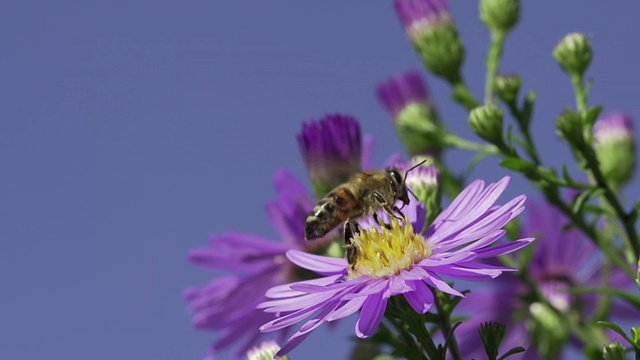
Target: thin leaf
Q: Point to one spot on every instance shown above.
(515, 350)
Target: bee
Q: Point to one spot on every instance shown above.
(363, 194)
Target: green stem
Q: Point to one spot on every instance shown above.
(463, 95)
(493, 63)
(445, 326)
(581, 93)
(464, 144)
(523, 124)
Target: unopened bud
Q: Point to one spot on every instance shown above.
(406, 98)
(507, 88)
(614, 351)
(486, 121)
(265, 351)
(500, 15)
(574, 53)
(569, 125)
(434, 35)
(615, 147)
(492, 334)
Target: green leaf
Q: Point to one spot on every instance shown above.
(527, 107)
(619, 330)
(628, 297)
(515, 350)
(592, 115)
(517, 164)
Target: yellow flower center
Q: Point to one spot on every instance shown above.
(387, 251)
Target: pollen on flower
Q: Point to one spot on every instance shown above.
(387, 250)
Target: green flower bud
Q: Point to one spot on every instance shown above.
(569, 125)
(507, 88)
(434, 36)
(492, 334)
(574, 54)
(265, 351)
(407, 99)
(615, 148)
(614, 351)
(500, 15)
(486, 122)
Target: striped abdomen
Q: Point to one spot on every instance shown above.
(336, 207)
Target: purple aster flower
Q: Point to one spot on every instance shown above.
(406, 98)
(434, 36)
(561, 260)
(416, 15)
(403, 90)
(228, 304)
(615, 147)
(332, 150)
(455, 245)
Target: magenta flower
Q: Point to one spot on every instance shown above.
(418, 15)
(561, 260)
(398, 261)
(228, 304)
(333, 150)
(403, 90)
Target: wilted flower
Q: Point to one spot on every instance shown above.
(434, 35)
(406, 98)
(398, 261)
(228, 304)
(561, 260)
(615, 147)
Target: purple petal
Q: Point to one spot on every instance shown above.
(323, 265)
(371, 315)
(421, 299)
(397, 285)
(373, 287)
(504, 248)
(439, 284)
(346, 308)
(287, 184)
(368, 147)
(281, 291)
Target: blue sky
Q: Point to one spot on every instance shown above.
(130, 131)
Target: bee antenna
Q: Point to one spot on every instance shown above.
(407, 172)
(412, 193)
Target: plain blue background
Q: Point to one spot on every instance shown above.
(130, 131)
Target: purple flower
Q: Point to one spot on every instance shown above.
(332, 150)
(614, 127)
(228, 304)
(561, 260)
(398, 261)
(403, 90)
(615, 148)
(406, 98)
(416, 15)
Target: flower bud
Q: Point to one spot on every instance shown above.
(614, 351)
(507, 88)
(569, 125)
(265, 351)
(486, 122)
(423, 180)
(492, 334)
(407, 99)
(434, 35)
(615, 148)
(500, 15)
(574, 54)
(331, 148)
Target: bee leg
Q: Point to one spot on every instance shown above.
(380, 222)
(350, 229)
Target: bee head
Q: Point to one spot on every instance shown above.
(399, 187)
